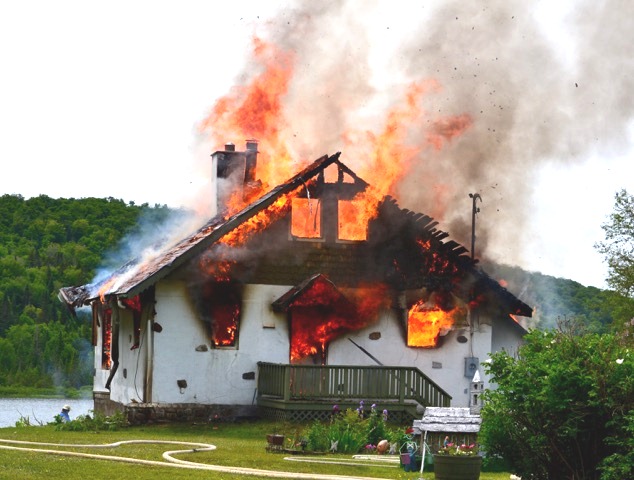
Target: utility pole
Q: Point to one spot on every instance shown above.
(474, 196)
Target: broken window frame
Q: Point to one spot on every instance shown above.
(340, 239)
(236, 335)
(311, 203)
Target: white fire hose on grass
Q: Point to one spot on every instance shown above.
(168, 456)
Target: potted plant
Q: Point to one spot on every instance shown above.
(457, 462)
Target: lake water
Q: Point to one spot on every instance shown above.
(40, 410)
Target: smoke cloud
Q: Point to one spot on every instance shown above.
(531, 83)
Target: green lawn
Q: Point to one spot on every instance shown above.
(238, 445)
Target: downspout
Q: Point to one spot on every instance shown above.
(149, 360)
(114, 349)
(148, 301)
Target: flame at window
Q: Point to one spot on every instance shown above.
(106, 339)
(429, 319)
(312, 329)
(225, 319)
(306, 218)
(353, 220)
(219, 304)
(322, 314)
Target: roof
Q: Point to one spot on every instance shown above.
(138, 274)
(141, 273)
(448, 419)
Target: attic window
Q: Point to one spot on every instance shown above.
(306, 218)
(352, 221)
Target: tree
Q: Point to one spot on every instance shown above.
(563, 408)
(618, 246)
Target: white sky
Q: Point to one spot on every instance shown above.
(101, 99)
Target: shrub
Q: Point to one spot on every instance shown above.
(563, 407)
(97, 422)
(350, 431)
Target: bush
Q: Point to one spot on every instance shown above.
(96, 423)
(563, 407)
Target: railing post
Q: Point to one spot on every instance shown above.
(287, 383)
(401, 386)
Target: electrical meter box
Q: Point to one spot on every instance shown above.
(471, 365)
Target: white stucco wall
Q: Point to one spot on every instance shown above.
(128, 382)
(215, 376)
(505, 337)
(444, 365)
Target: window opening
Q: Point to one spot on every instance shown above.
(134, 304)
(352, 220)
(106, 339)
(433, 317)
(306, 218)
(221, 310)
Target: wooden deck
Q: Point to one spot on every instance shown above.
(307, 392)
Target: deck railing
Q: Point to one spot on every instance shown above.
(313, 382)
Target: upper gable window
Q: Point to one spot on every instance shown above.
(306, 218)
(352, 221)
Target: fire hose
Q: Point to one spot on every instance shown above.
(169, 457)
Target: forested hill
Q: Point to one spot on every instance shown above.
(554, 299)
(48, 243)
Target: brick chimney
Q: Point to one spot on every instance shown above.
(231, 170)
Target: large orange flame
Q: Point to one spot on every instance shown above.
(255, 111)
(427, 322)
(258, 222)
(322, 316)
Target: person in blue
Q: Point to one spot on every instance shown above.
(64, 413)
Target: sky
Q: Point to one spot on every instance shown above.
(107, 99)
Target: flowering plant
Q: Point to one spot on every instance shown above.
(459, 450)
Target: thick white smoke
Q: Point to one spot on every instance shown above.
(542, 84)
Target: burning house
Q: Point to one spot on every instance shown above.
(314, 292)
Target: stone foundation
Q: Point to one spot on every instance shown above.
(144, 413)
(104, 405)
(147, 413)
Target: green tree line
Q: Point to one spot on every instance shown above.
(46, 244)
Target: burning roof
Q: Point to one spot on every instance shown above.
(137, 275)
(403, 249)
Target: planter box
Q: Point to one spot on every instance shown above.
(274, 443)
(457, 467)
(275, 439)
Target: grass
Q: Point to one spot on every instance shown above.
(238, 445)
